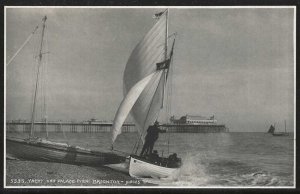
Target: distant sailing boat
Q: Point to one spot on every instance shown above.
(271, 129)
(40, 149)
(281, 133)
(145, 79)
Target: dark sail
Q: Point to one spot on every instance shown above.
(271, 129)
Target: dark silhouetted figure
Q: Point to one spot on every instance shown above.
(272, 129)
(174, 161)
(151, 137)
(154, 157)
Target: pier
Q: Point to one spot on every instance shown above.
(202, 128)
(90, 127)
(66, 127)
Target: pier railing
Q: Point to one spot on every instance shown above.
(66, 127)
(60, 127)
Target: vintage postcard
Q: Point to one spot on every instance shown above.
(150, 97)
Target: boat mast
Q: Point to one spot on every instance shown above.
(166, 57)
(136, 146)
(167, 32)
(37, 78)
(166, 70)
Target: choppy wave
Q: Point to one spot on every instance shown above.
(197, 170)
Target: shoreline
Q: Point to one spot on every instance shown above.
(35, 173)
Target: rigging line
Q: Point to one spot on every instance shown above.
(34, 103)
(149, 88)
(32, 82)
(34, 91)
(169, 89)
(37, 78)
(149, 110)
(147, 91)
(33, 70)
(166, 54)
(169, 84)
(166, 83)
(45, 84)
(22, 46)
(140, 136)
(166, 112)
(170, 99)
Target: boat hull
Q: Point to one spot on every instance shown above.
(142, 169)
(34, 151)
(121, 167)
(280, 134)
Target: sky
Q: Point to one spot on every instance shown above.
(236, 64)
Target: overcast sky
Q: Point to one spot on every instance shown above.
(236, 64)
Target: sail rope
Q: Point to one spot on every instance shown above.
(37, 79)
(162, 77)
(33, 68)
(168, 110)
(141, 135)
(136, 146)
(35, 65)
(146, 91)
(168, 99)
(23, 45)
(170, 91)
(147, 53)
(45, 84)
(41, 100)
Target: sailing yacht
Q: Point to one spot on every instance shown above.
(40, 149)
(280, 133)
(145, 80)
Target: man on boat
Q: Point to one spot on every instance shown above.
(151, 137)
(154, 157)
(174, 161)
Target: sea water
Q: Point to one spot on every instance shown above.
(209, 159)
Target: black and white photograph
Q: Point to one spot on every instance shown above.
(149, 97)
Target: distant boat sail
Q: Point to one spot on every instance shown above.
(144, 80)
(279, 133)
(271, 129)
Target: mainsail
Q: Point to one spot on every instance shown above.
(127, 104)
(145, 95)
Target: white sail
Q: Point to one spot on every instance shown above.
(147, 108)
(141, 80)
(148, 52)
(127, 104)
